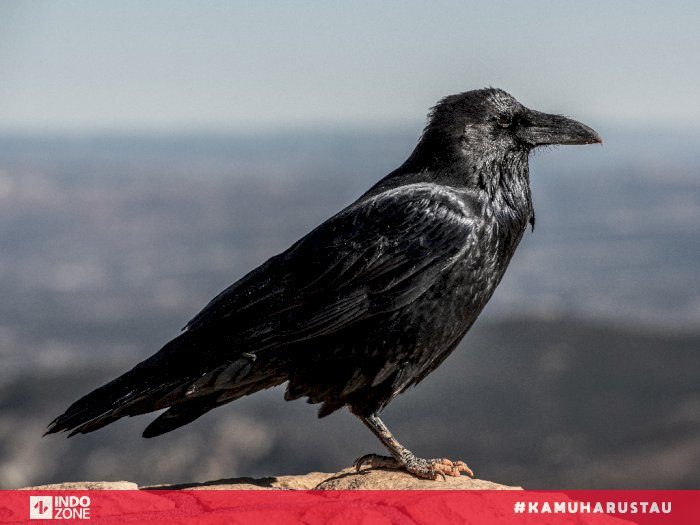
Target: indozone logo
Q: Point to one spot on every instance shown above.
(59, 507)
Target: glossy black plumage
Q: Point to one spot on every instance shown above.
(372, 300)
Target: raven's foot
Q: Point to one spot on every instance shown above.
(423, 468)
(402, 458)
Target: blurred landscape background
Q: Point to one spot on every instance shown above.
(148, 159)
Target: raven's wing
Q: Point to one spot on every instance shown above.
(375, 256)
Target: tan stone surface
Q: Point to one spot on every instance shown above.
(87, 485)
(348, 479)
(384, 479)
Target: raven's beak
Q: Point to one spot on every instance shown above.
(539, 129)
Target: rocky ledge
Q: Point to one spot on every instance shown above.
(368, 479)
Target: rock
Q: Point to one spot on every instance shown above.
(300, 482)
(384, 479)
(348, 479)
(87, 485)
(303, 482)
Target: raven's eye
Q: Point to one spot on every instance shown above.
(504, 121)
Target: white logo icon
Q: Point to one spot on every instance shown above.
(40, 508)
(59, 507)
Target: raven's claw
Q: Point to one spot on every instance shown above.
(423, 468)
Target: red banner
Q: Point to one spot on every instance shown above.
(263, 507)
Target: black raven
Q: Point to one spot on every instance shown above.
(372, 300)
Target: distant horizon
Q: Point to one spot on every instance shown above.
(649, 146)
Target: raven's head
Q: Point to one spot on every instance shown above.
(491, 124)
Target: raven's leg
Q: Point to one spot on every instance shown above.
(402, 458)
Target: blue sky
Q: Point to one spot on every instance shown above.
(176, 65)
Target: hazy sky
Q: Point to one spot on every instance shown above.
(176, 65)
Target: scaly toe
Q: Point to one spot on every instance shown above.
(376, 461)
(424, 468)
(453, 468)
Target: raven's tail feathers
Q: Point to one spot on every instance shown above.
(168, 379)
(140, 390)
